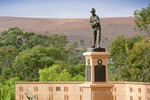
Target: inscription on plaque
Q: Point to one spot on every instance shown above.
(88, 71)
(100, 72)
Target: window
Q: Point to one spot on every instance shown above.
(21, 96)
(58, 89)
(81, 89)
(80, 97)
(50, 88)
(65, 88)
(36, 96)
(131, 90)
(131, 98)
(139, 90)
(50, 97)
(35, 88)
(139, 98)
(66, 97)
(148, 90)
(20, 88)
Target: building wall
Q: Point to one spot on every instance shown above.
(73, 91)
(131, 91)
(49, 90)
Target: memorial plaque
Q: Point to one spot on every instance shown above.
(100, 72)
(88, 73)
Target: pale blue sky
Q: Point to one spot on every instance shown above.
(70, 8)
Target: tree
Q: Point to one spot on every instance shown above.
(142, 19)
(7, 57)
(28, 62)
(24, 40)
(62, 72)
(64, 76)
(7, 90)
(49, 74)
(121, 49)
(23, 54)
(118, 50)
(78, 78)
(14, 37)
(53, 40)
(138, 63)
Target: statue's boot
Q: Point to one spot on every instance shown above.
(93, 46)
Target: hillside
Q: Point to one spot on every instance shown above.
(77, 30)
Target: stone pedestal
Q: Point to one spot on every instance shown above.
(96, 86)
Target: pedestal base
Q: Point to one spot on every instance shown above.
(97, 91)
(96, 50)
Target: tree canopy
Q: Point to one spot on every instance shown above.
(23, 54)
(131, 59)
(142, 19)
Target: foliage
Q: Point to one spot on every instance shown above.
(119, 45)
(14, 37)
(53, 40)
(33, 57)
(7, 90)
(78, 78)
(61, 72)
(139, 61)
(7, 56)
(24, 40)
(64, 76)
(142, 19)
(22, 54)
(131, 59)
(28, 62)
(49, 74)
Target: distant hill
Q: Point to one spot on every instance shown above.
(77, 30)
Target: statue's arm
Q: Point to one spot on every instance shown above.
(91, 23)
(97, 21)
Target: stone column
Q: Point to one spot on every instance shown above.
(97, 86)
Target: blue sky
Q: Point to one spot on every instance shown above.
(70, 8)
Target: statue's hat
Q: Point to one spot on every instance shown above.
(93, 10)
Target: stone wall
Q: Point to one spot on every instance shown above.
(73, 91)
(131, 91)
(49, 90)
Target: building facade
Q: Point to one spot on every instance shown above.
(73, 90)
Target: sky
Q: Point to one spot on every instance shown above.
(70, 8)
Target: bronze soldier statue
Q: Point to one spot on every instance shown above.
(95, 24)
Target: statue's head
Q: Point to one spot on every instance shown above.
(93, 11)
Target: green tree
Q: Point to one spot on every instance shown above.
(78, 78)
(62, 72)
(49, 74)
(7, 90)
(53, 40)
(7, 57)
(142, 19)
(120, 49)
(78, 69)
(14, 37)
(138, 63)
(64, 76)
(28, 62)
(24, 40)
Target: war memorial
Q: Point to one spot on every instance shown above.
(96, 85)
